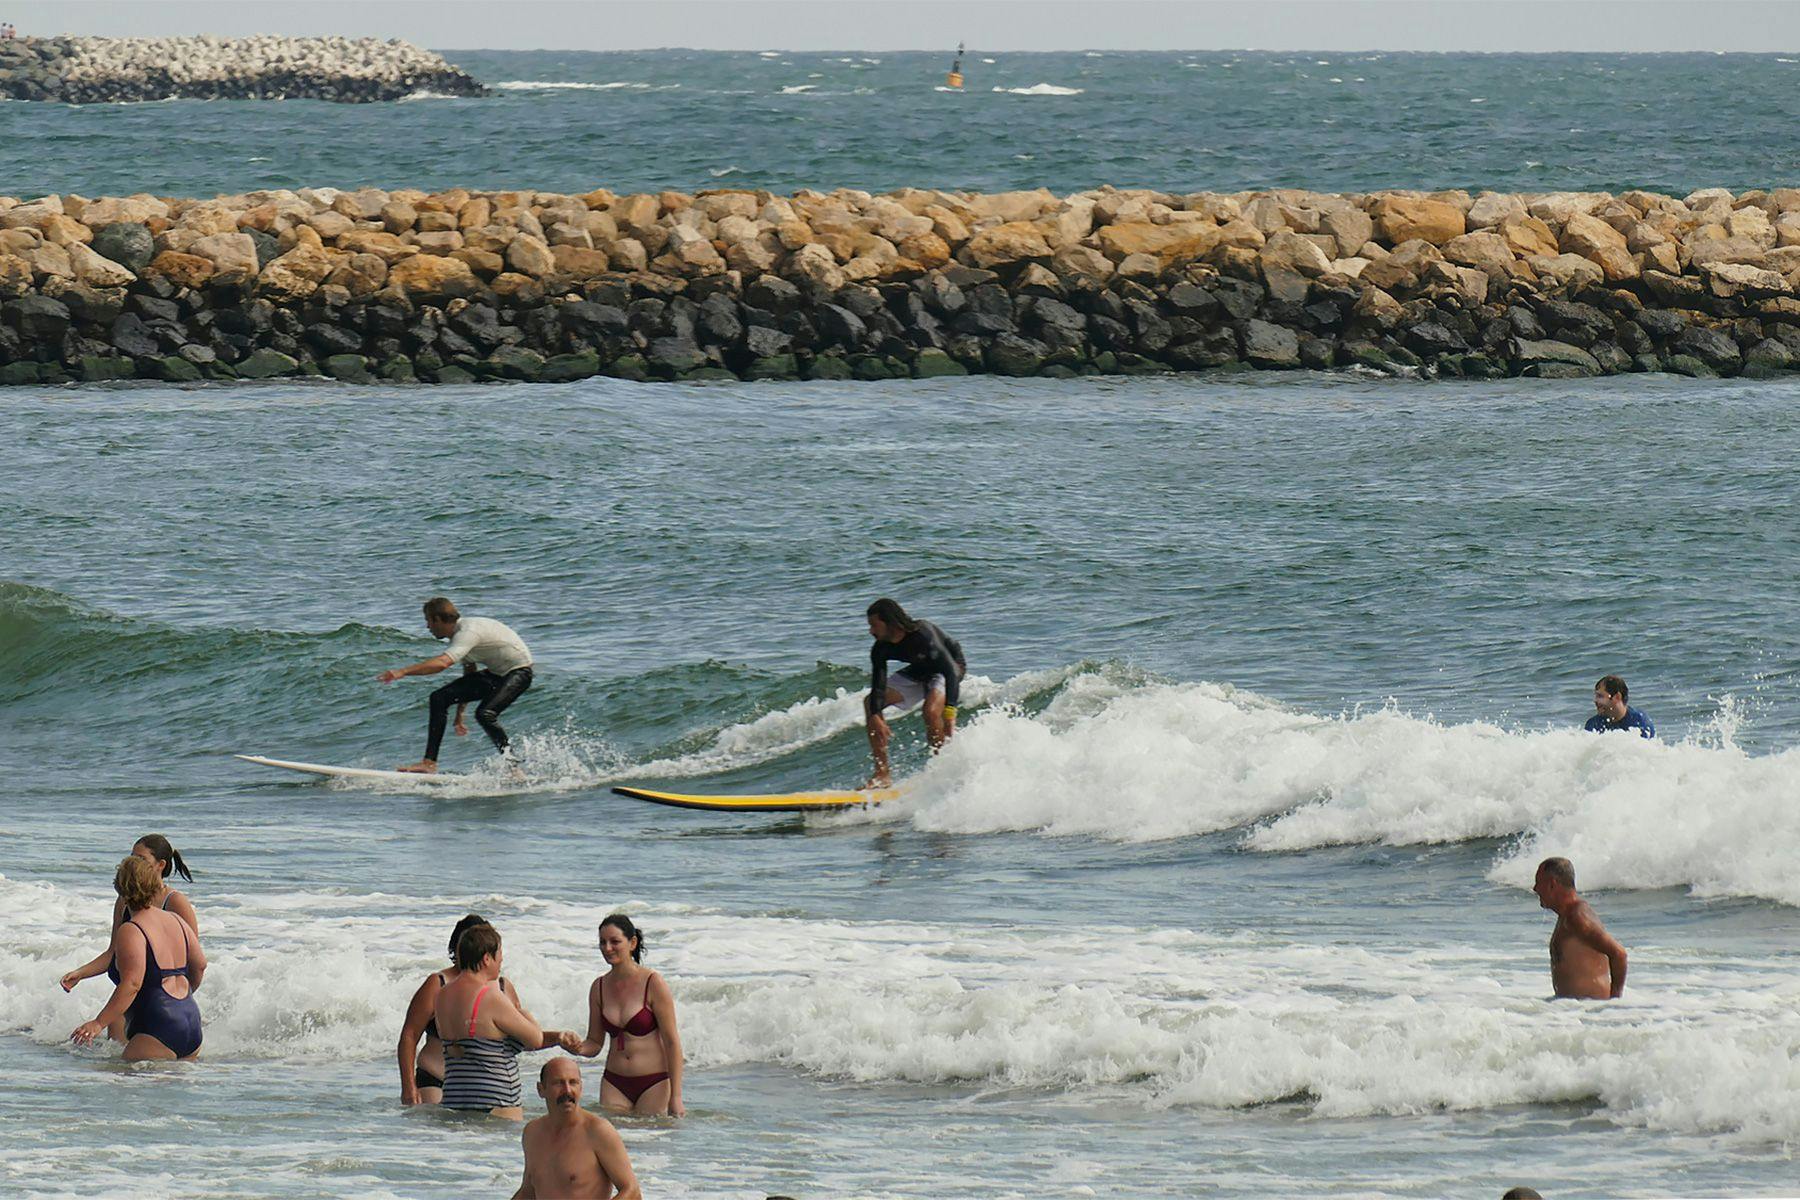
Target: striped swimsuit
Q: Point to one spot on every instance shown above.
(481, 1073)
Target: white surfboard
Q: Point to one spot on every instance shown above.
(348, 772)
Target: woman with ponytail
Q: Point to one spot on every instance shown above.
(155, 848)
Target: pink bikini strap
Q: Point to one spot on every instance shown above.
(477, 1008)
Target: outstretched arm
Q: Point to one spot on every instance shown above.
(595, 1041)
(97, 965)
(1585, 925)
(430, 666)
(128, 953)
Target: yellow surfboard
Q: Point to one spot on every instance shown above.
(791, 802)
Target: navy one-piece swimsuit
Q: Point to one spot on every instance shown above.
(174, 1023)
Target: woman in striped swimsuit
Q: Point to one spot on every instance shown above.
(481, 1060)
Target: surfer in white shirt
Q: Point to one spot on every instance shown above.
(496, 671)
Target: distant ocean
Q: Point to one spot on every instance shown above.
(1274, 698)
(1178, 121)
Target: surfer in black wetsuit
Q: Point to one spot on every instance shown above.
(931, 676)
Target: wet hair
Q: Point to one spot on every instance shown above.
(167, 855)
(438, 608)
(889, 613)
(1559, 869)
(463, 926)
(1522, 1193)
(1612, 685)
(137, 881)
(622, 923)
(475, 944)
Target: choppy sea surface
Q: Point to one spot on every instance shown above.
(1221, 891)
(1182, 121)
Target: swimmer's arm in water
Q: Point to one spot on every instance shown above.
(96, 965)
(595, 1041)
(196, 957)
(418, 1013)
(662, 1003)
(1586, 926)
(551, 1038)
(609, 1149)
(128, 953)
(430, 666)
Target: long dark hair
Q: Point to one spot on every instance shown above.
(463, 926)
(622, 923)
(167, 855)
(889, 613)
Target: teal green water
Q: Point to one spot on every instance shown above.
(1220, 891)
(1181, 121)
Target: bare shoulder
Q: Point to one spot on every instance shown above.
(531, 1131)
(599, 1130)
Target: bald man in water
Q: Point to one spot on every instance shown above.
(1585, 962)
(570, 1152)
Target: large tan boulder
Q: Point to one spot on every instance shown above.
(1289, 251)
(629, 254)
(1484, 251)
(1566, 271)
(28, 216)
(716, 206)
(1704, 251)
(49, 261)
(1002, 245)
(636, 212)
(359, 274)
(1167, 243)
(134, 210)
(397, 216)
(754, 257)
(67, 231)
(484, 263)
(947, 224)
(331, 224)
(430, 275)
(530, 256)
(296, 274)
(1491, 208)
(15, 276)
(578, 262)
(1010, 207)
(814, 264)
(1728, 279)
(1750, 223)
(694, 251)
(1351, 228)
(926, 249)
(1402, 269)
(95, 270)
(1528, 236)
(233, 255)
(1599, 243)
(1403, 219)
(386, 246)
(1557, 207)
(1068, 225)
(207, 219)
(182, 270)
(1082, 262)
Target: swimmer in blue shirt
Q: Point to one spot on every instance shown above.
(1611, 712)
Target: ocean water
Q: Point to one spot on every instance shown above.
(1182, 121)
(1222, 890)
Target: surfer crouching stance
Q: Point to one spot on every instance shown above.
(932, 676)
(496, 671)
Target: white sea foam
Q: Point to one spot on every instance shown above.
(1159, 1019)
(426, 94)
(547, 85)
(1042, 89)
(1116, 759)
(798, 88)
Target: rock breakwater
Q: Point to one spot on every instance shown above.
(107, 70)
(460, 286)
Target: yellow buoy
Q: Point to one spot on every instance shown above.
(954, 78)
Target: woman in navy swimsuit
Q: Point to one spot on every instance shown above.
(643, 1069)
(160, 964)
(154, 847)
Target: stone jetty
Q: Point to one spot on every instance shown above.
(76, 70)
(459, 286)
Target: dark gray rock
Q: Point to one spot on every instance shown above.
(1432, 338)
(1768, 357)
(840, 326)
(101, 368)
(567, 368)
(1525, 323)
(133, 339)
(127, 243)
(1271, 346)
(39, 319)
(828, 366)
(1527, 353)
(773, 294)
(267, 364)
(1660, 323)
(762, 342)
(674, 354)
(332, 339)
(1009, 354)
(1557, 370)
(268, 248)
(719, 323)
(1238, 297)
(773, 366)
(347, 368)
(1710, 347)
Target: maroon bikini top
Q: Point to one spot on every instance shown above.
(641, 1024)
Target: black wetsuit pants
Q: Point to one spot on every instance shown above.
(491, 692)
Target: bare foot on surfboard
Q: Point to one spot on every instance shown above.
(423, 767)
(877, 783)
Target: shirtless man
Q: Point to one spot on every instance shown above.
(1585, 962)
(569, 1152)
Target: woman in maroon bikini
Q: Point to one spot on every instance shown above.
(635, 1008)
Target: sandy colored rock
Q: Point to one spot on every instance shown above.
(1401, 269)
(1348, 227)
(94, 270)
(580, 262)
(359, 274)
(296, 274)
(67, 231)
(183, 270)
(1167, 243)
(134, 210)
(15, 276)
(1012, 207)
(636, 212)
(947, 225)
(484, 263)
(1600, 244)
(1484, 251)
(386, 246)
(1082, 262)
(816, 265)
(1403, 219)
(1002, 245)
(397, 216)
(1527, 236)
(49, 261)
(1705, 251)
(233, 255)
(1289, 251)
(628, 254)
(1729, 279)
(1566, 270)
(694, 251)
(926, 249)
(530, 256)
(1751, 224)
(428, 274)
(1491, 208)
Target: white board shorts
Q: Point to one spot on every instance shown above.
(912, 691)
